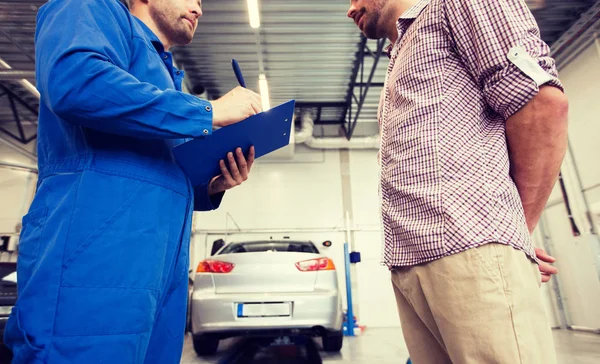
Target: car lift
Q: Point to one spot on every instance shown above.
(292, 349)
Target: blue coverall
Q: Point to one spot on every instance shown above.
(103, 256)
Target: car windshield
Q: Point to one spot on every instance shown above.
(270, 246)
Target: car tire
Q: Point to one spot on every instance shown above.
(205, 345)
(333, 342)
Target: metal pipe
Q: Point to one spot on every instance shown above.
(18, 148)
(11, 74)
(349, 309)
(574, 229)
(592, 187)
(584, 329)
(565, 319)
(25, 83)
(595, 239)
(18, 45)
(19, 99)
(575, 33)
(25, 167)
(586, 202)
(553, 203)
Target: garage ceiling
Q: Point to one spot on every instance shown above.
(308, 49)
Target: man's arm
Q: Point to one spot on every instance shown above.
(83, 57)
(537, 143)
(83, 52)
(500, 45)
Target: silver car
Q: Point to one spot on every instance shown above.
(266, 288)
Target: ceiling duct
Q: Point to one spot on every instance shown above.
(305, 136)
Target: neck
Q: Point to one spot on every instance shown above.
(396, 9)
(141, 11)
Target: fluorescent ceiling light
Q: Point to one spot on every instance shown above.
(24, 82)
(253, 13)
(264, 92)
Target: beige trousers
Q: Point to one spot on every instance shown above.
(479, 306)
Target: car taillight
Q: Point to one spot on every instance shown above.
(314, 265)
(214, 266)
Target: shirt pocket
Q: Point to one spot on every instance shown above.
(29, 243)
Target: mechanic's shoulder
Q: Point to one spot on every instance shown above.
(80, 10)
(114, 6)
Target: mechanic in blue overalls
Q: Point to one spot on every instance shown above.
(103, 259)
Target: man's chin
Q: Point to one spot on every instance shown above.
(372, 35)
(183, 40)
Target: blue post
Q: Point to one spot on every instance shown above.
(350, 313)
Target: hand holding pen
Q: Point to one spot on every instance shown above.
(236, 105)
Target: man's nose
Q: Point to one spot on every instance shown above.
(351, 11)
(196, 10)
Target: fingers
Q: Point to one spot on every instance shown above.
(234, 173)
(233, 168)
(543, 256)
(251, 156)
(254, 101)
(224, 171)
(256, 107)
(546, 268)
(242, 164)
(257, 101)
(215, 186)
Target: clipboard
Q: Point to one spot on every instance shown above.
(268, 131)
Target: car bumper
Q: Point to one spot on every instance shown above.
(218, 313)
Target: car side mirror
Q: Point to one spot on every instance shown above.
(217, 245)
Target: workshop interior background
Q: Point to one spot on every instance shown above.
(324, 185)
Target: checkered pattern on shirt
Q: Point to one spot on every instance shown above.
(445, 182)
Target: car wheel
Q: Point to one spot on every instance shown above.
(333, 342)
(205, 345)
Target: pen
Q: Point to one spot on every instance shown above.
(238, 73)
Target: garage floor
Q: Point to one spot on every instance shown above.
(386, 346)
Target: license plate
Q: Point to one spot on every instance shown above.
(279, 309)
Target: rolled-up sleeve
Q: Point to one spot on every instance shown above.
(487, 34)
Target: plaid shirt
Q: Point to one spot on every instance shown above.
(450, 87)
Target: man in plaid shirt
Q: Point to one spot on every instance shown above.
(473, 125)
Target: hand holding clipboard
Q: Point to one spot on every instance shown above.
(266, 131)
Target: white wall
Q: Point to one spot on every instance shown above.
(377, 304)
(577, 256)
(303, 194)
(305, 199)
(16, 191)
(16, 188)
